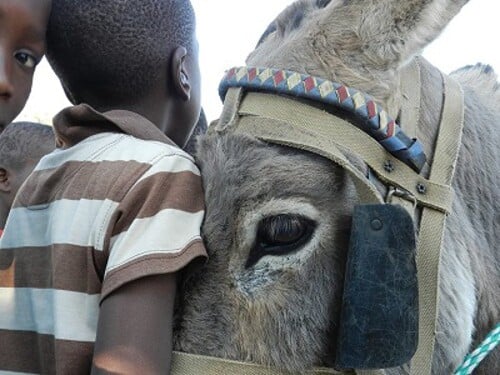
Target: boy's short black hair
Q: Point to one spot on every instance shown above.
(24, 141)
(113, 50)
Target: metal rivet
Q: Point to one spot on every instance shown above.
(421, 188)
(376, 224)
(389, 166)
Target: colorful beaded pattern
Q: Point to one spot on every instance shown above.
(371, 118)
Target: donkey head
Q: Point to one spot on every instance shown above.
(277, 227)
(359, 43)
(278, 219)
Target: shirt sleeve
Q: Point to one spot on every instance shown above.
(156, 228)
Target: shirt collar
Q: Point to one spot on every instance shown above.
(74, 124)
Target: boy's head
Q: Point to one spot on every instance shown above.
(23, 25)
(22, 145)
(140, 55)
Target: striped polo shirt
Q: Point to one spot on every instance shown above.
(118, 203)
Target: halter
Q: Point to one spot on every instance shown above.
(371, 118)
(260, 102)
(250, 94)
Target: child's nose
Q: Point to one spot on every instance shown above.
(6, 87)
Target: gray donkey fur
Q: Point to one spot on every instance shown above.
(249, 305)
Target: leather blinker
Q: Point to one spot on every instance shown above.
(379, 315)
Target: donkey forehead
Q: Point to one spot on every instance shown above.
(240, 170)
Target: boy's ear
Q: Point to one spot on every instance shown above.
(180, 74)
(5, 185)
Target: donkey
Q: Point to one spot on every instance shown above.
(278, 219)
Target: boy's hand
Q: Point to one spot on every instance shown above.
(134, 334)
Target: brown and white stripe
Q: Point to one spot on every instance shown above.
(91, 218)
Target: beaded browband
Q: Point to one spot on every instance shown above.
(370, 117)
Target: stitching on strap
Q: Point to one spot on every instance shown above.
(372, 119)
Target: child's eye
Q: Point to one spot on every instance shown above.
(26, 59)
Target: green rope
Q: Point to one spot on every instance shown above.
(473, 359)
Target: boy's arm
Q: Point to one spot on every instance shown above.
(134, 334)
(153, 233)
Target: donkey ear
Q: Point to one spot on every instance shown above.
(384, 34)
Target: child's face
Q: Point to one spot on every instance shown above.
(23, 24)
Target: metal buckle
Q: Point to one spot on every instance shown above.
(397, 192)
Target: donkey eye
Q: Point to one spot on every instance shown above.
(281, 230)
(280, 235)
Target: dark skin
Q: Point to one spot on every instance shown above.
(138, 337)
(22, 45)
(134, 334)
(180, 112)
(175, 107)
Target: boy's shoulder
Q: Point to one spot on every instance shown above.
(118, 151)
(117, 134)
(134, 147)
(104, 168)
(158, 155)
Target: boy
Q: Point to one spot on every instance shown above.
(101, 227)
(23, 25)
(22, 145)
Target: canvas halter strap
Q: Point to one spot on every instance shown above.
(433, 223)
(289, 122)
(191, 364)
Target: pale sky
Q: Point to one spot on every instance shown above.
(229, 29)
